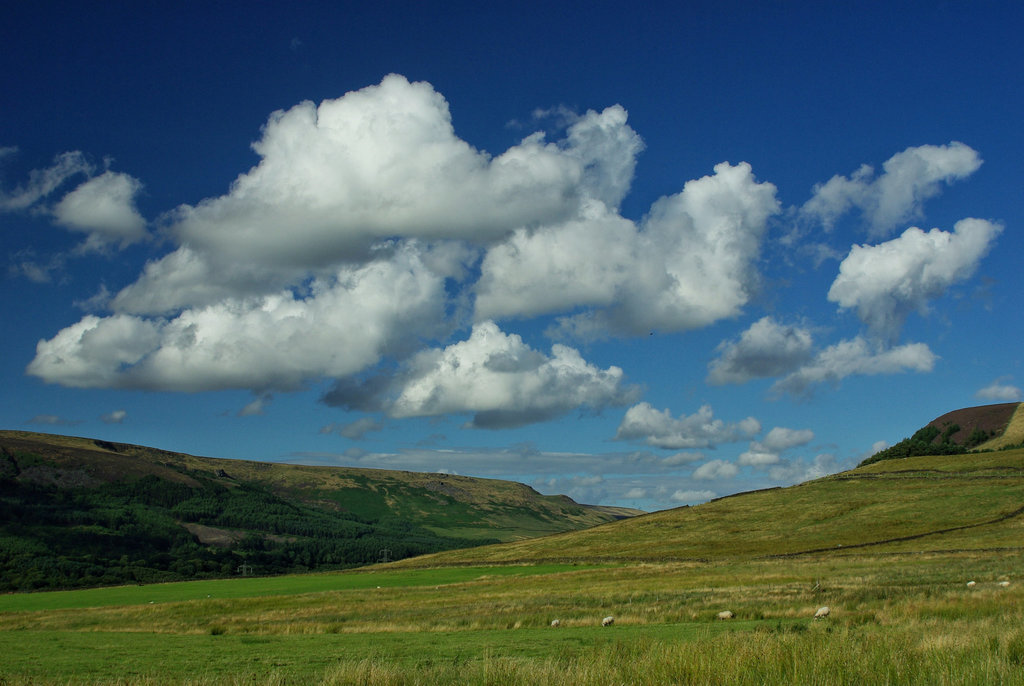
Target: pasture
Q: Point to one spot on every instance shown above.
(896, 618)
(889, 548)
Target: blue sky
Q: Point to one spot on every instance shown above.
(644, 258)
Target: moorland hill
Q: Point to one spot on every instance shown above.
(986, 427)
(78, 511)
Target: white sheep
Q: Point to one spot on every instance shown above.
(726, 614)
(970, 584)
(608, 621)
(1004, 584)
(556, 623)
(822, 612)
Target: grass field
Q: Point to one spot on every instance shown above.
(889, 548)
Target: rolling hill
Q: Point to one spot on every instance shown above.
(78, 511)
(918, 504)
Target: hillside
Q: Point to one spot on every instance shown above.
(78, 511)
(986, 427)
(920, 504)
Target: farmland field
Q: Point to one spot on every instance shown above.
(889, 548)
(895, 618)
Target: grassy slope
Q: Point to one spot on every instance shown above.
(927, 504)
(448, 505)
(912, 532)
(1013, 435)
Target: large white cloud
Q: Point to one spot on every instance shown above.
(857, 357)
(104, 207)
(897, 195)
(766, 349)
(699, 430)
(586, 261)
(344, 325)
(384, 161)
(886, 282)
(504, 382)
(689, 264)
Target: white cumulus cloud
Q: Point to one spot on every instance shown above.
(999, 390)
(856, 356)
(114, 417)
(346, 324)
(888, 281)
(897, 195)
(699, 430)
(104, 207)
(689, 264)
(504, 382)
(768, 450)
(384, 161)
(715, 470)
(766, 349)
(692, 496)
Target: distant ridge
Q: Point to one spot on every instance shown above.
(86, 512)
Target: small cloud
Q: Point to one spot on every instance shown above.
(699, 430)
(682, 458)
(257, 406)
(104, 208)
(692, 497)
(769, 450)
(999, 390)
(52, 420)
(876, 447)
(766, 349)
(26, 263)
(856, 356)
(43, 182)
(798, 471)
(909, 178)
(115, 417)
(356, 430)
(96, 302)
(715, 469)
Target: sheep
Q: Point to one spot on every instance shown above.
(608, 621)
(1004, 584)
(970, 584)
(822, 612)
(726, 614)
(555, 623)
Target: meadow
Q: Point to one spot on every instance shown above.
(889, 548)
(900, 619)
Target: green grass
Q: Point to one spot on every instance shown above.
(941, 500)
(889, 548)
(900, 619)
(257, 587)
